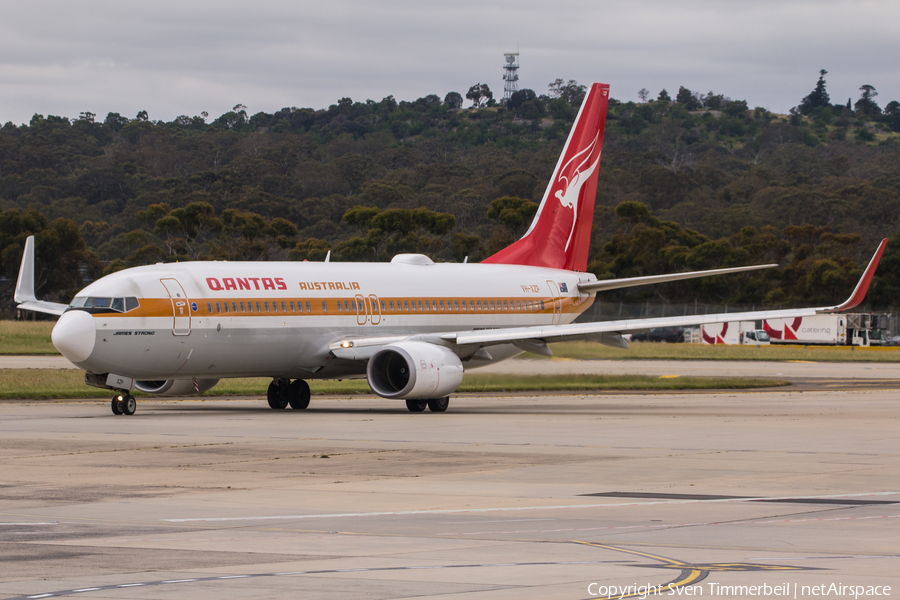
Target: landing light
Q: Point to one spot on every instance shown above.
(346, 344)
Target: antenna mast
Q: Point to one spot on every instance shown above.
(510, 75)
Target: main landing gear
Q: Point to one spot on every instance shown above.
(284, 392)
(434, 405)
(124, 404)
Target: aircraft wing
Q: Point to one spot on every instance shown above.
(615, 284)
(535, 339)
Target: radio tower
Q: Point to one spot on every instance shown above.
(510, 75)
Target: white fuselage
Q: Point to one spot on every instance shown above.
(277, 319)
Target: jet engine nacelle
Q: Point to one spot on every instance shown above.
(414, 370)
(175, 387)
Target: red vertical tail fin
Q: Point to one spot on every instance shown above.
(560, 235)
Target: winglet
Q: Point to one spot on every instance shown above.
(25, 284)
(862, 287)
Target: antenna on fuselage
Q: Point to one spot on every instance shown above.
(466, 259)
(328, 256)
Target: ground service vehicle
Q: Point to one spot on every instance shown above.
(849, 329)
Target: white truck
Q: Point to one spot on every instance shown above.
(851, 329)
(826, 330)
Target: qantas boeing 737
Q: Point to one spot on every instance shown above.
(411, 327)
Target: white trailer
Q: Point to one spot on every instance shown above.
(828, 330)
(734, 332)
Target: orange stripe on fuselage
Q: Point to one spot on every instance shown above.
(261, 307)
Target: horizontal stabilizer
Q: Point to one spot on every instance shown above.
(50, 308)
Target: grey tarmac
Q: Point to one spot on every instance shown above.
(557, 366)
(500, 497)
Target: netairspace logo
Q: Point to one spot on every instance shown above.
(784, 590)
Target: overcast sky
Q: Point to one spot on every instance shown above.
(172, 58)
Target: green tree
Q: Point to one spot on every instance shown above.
(480, 94)
(515, 214)
(816, 98)
(453, 100)
(866, 104)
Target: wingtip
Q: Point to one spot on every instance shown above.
(862, 288)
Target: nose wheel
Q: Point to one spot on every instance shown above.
(123, 404)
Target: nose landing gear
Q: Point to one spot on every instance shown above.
(123, 404)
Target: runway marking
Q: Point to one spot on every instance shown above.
(511, 508)
(43, 523)
(691, 573)
(501, 521)
(667, 525)
(291, 573)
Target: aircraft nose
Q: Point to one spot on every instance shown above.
(74, 335)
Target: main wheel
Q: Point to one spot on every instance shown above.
(116, 405)
(129, 405)
(277, 395)
(416, 405)
(439, 404)
(298, 394)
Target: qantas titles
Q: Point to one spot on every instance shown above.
(274, 283)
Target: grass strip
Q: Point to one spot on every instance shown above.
(40, 384)
(26, 337)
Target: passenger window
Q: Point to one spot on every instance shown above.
(340, 307)
(346, 306)
(249, 307)
(324, 306)
(442, 305)
(478, 303)
(266, 303)
(257, 307)
(284, 307)
(406, 305)
(353, 305)
(242, 307)
(218, 307)
(427, 305)
(209, 307)
(456, 305)
(382, 306)
(293, 308)
(542, 305)
(518, 305)
(226, 306)
(391, 304)
(471, 305)
(420, 305)
(308, 309)
(234, 307)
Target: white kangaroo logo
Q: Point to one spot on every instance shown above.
(568, 196)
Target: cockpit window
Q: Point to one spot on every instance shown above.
(96, 305)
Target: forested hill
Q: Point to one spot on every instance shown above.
(698, 181)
